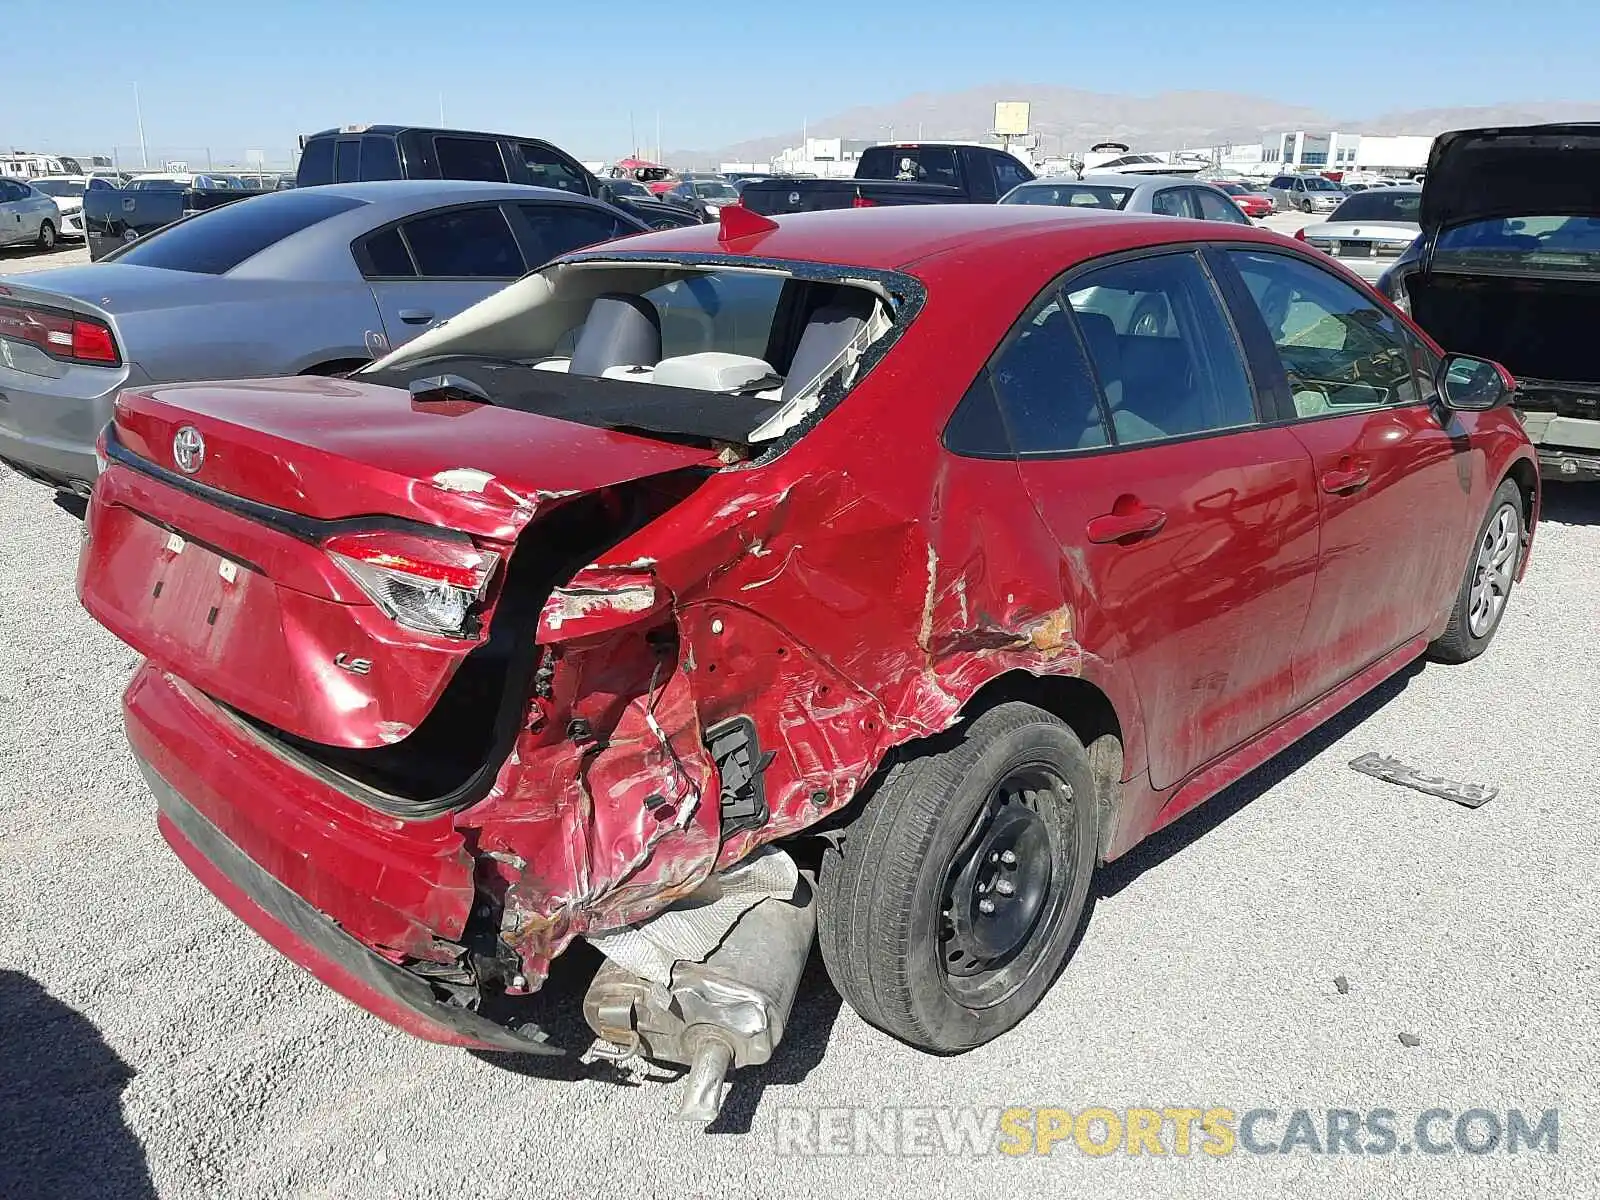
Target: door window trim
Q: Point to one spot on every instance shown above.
(1060, 286)
(1261, 343)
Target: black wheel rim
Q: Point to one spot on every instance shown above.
(1006, 888)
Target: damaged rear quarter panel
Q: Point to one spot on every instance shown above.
(845, 600)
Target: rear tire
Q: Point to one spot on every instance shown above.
(47, 236)
(1486, 584)
(1003, 814)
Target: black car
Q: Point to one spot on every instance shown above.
(704, 195)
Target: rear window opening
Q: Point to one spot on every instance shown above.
(720, 356)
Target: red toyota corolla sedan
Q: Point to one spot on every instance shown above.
(949, 551)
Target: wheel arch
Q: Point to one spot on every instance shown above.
(1088, 711)
(1525, 473)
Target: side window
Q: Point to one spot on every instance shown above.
(1046, 394)
(9, 191)
(547, 170)
(1174, 202)
(384, 256)
(554, 229)
(469, 158)
(1008, 173)
(1162, 348)
(464, 243)
(316, 163)
(1216, 207)
(347, 160)
(1341, 351)
(380, 158)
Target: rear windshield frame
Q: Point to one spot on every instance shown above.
(906, 298)
(179, 238)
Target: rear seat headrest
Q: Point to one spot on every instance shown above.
(830, 329)
(713, 371)
(620, 330)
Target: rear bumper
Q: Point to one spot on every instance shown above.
(1579, 466)
(1568, 447)
(311, 940)
(48, 424)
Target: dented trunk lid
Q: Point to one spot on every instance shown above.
(216, 567)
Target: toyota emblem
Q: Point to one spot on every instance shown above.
(188, 449)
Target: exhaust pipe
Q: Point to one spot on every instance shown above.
(727, 1011)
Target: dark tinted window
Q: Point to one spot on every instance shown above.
(380, 158)
(1341, 351)
(387, 257)
(554, 229)
(316, 163)
(1381, 204)
(1214, 207)
(471, 243)
(1045, 393)
(920, 163)
(469, 158)
(219, 240)
(11, 191)
(546, 169)
(347, 160)
(975, 427)
(1008, 173)
(1071, 195)
(1162, 349)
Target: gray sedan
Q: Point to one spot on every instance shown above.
(1370, 230)
(1163, 195)
(311, 281)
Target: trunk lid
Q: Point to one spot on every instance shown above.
(1482, 174)
(218, 564)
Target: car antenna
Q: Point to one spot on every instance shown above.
(736, 221)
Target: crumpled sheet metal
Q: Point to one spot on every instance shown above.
(695, 926)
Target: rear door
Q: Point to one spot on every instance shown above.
(1391, 477)
(1194, 526)
(431, 266)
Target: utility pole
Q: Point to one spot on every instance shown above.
(658, 136)
(441, 110)
(138, 113)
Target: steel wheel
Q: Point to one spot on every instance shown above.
(1005, 889)
(47, 236)
(1494, 571)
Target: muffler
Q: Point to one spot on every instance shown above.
(726, 1010)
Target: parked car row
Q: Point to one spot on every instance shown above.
(908, 543)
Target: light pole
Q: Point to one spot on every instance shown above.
(138, 114)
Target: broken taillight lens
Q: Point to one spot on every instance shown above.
(421, 583)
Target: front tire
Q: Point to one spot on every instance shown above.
(951, 905)
(47, 235)
(1486, 585)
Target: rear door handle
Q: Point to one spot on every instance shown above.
(1138, 520)
(1347, 477)
(415, 316)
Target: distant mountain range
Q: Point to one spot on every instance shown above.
(1070, 120)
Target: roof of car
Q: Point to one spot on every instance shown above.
(896, 237)
(410, 193)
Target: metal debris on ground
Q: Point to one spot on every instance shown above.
(1392, 770)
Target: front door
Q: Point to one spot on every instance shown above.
(1192, 528)
(1390, 475)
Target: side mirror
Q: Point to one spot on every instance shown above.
(1469, 384)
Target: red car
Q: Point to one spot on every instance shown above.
(1253, 204)
(955, 548)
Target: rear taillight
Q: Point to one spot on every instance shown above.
(423, 584)
(60, 334)
(863, 202)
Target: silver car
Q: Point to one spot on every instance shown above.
(311, 281)
(1307, 193)
(1370, 230)
(1163, 195)
(27, 216)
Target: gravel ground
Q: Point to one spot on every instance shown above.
(151, 1045)
(14, 261)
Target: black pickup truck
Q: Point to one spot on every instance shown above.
(112, 216)
(903, 173)
(362, 152)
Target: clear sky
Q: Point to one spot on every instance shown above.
(238, 74)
